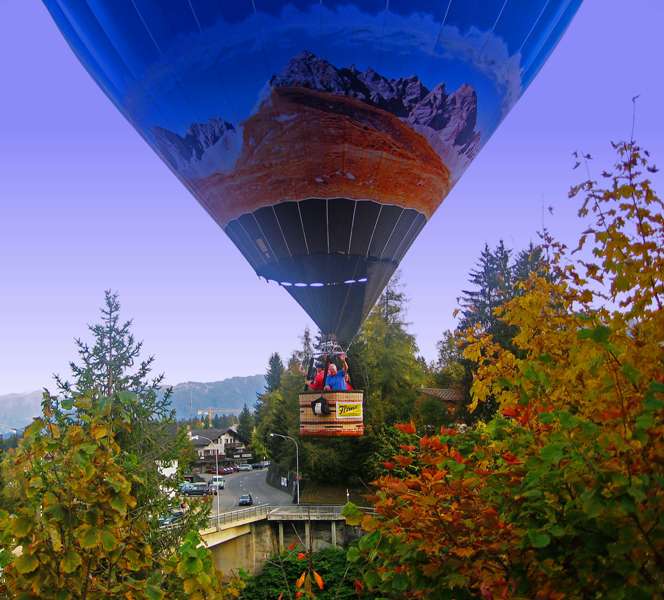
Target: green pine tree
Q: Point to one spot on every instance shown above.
(246, 425)
(111, 367)
(274, 372)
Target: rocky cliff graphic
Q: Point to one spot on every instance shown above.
(205, 148)
(325, 132)
(447, 121)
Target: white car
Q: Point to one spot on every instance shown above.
(217, 482)
(245, 467)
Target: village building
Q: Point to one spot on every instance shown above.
(225, 444)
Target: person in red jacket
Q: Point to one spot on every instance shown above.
(317, 382)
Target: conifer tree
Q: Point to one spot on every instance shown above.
(306, 352)
(111, 367)
(274, 372)
(528, 261)
(245, 425)
(492, 280)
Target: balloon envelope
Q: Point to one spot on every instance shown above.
(321, 135)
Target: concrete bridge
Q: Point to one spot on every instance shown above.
(247, 538)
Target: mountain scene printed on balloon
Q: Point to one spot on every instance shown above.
(322, 131)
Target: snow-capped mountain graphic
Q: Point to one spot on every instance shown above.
(446, 120)
(205, 148)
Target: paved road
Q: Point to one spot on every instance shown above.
(248, 482)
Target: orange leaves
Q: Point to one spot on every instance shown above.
(300, 580)
(515, 503)
(406, 427)
(456, 456)
(403, 461)
(510, 411)
(432, 443)
(304, 581)
(319, 580)
(463, 552)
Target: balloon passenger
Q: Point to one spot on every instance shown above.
(317, 382)
(336, 378)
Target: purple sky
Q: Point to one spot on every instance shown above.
(85, 204)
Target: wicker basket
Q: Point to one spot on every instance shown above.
(346, 418)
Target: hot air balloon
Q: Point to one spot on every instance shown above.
(321, 135)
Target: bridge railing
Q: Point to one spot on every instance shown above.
(303, 512)
(242, 514)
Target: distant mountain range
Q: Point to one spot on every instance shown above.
(228, 396)
(447, 120)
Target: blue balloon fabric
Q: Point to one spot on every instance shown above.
(321, 135)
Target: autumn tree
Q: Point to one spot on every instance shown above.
(111, 366)
(495, 280)
(561, 494)
(74, 528)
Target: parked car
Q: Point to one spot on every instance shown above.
(192, 478)
(227, 470)
(217, 482)
(212, 470)
(245, 500)
(235, 468)
(199, 488)
(245, 467)
(171, 518)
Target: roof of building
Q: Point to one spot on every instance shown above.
(451, 396)
(211, 433)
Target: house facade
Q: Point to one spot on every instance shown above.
(225, 444)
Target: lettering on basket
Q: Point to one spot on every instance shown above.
(349, 410)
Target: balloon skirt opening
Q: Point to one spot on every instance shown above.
(346, 418)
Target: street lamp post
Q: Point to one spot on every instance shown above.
(297, 462)
(216, 465)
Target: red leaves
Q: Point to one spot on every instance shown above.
(358, 585)
(291, 546)
(403, 461)
(511, 411)
(511, 459)
(406, 427)
(432, 443)
(408, 447)
(389, 465)
(448, 431)
(301, 556)
(456, 456)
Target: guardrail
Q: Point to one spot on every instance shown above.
(306, 512)
(302, 512)
(254, 512)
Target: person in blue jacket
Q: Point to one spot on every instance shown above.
(336, 378)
